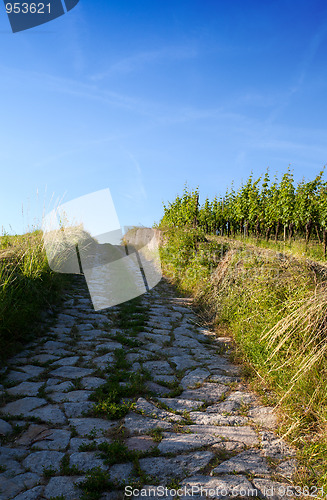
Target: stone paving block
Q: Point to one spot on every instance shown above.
(102, 361)
(183, 340)
(71, 372)
(32, 494)
(53, 344)
(250, 462)
(71, 396)
(264, 416)
(274, 447)
(208, 392)
(9, 487)
(183, 362)
(244, 434)
(230, 405)
(111, 346)
(165, 469)
(137, 424)
(75, 410)
(153, 347)
(154, 337)
(149, 409)
(86, 460)
(25, 389)
(157, 388)
(39, 460)
(158, 367)
(84, 426)
(204, 418)
(67, 361)
(179, 443)
(52, 439)
(22, 406)
(31, 435)
(287, 469)
(58, 387)
(223, 379)
(91, 383)
(66, 319)
(50, 413)
(11, 467)
(84, 327)
(181, 404)
(222, 487)
(62, 485)
(214, 362)
(5, 428)
(140, 443)
(121, 473)
(44, 358)
(229, 446)
(273, 489)
(195, 377)
(16, 376)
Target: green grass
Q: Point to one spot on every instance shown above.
(115, 453)
(274, 305)
(27, 287)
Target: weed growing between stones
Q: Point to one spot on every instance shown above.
(156, 434)
(96, 482)
(115, 453)
(49, 472)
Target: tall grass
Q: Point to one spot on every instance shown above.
(27, 286)
(275, 307)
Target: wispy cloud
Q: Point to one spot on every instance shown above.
(141, 59)
(304, 68)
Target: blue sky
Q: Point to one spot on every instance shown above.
(141, 96)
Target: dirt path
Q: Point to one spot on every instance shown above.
(195, 424)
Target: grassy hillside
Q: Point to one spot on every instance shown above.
(274, 305)
(27, 287)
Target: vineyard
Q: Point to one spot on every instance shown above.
(273, 210)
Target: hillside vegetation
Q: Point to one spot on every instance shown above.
(27, 288)
(261, 209)
(273, 303)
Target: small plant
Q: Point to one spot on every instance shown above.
(49, 472)
(156, 434)
(96, 482)
(73, 430)
(115, 452)
(77, 384)
(174, 484)
(113, 410)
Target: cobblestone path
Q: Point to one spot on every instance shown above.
(194, 425)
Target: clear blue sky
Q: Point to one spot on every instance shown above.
(143, 95)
